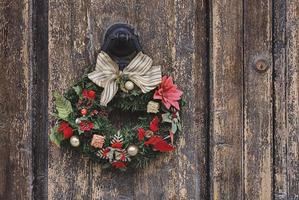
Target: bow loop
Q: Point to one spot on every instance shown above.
(140, 71)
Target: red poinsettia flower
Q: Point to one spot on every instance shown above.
(141, 134)
(159, 144)
(119, 164)
(89, 94)
(117, 145)
(168, 93)
(154, 125)
(153, 140)
(66, 129)
(86, 125)
(163, 146)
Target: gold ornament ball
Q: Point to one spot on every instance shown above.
(75, 141)
(78, 121)
(132, 150)
(129, 85)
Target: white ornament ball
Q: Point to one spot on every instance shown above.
(132, 150)
(75, 141)
(78, 121)
(129, 85)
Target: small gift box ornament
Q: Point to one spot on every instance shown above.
(97, 141)
(153, 107)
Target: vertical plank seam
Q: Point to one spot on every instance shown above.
(273, 98)
(39, 106)
(243, 97)
(286, 95)
(208, 85)
(30, 92)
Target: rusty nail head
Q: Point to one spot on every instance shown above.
(261, 65)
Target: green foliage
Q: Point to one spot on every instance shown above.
(63, 106)
(56, 137)
(134, 101)
(175, 122)
(78, 90)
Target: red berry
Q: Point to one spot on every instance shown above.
(68, 132)
(84, 111)
(91, 94)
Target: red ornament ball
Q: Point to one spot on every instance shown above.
(84, 111)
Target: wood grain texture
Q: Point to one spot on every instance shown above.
(226, 116)
(258, 131)
(292, 99)
(69, 174)
(15, 100)
(280, 136)
(168, 31)
(286, 88)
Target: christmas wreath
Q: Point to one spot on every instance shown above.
(148, 103)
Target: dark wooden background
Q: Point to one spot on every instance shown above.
(241, 123)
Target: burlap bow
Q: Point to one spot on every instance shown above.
(140, 71)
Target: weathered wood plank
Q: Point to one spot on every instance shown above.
(258, 100)
(292, 98)
(286, 88)
(172, 35)
(280, 138)
(15, 100)
(168, 31)
(226, 79)
(69, 174)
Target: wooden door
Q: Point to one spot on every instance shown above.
(237, 62)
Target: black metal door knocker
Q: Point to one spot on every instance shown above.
(121, 43)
